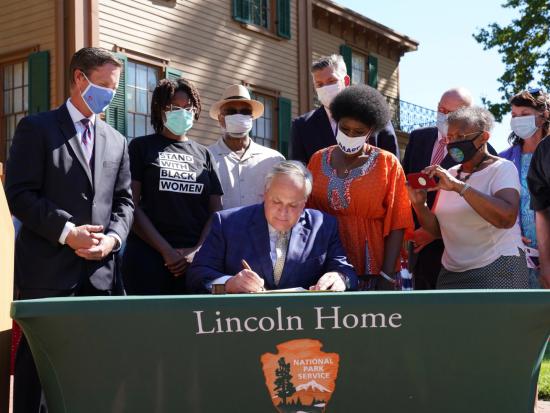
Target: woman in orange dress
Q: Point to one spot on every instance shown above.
(363, 187)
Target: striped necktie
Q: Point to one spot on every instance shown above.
(439, 152)
(87, 143)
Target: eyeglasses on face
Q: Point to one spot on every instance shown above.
(172, 108)
(233, 111)
(458, 138)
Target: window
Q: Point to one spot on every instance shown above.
(263, 128)
(271, 17)
(15, 101)
(260, 13)
(140, 83)
(357, 69)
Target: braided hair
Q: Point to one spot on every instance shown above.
(162, 97)
(539, 101)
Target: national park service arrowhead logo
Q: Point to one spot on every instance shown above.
(300, 377)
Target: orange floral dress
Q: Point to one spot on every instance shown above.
(369, 203)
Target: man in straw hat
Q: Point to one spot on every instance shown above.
(242, 163)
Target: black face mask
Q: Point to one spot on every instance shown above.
(463, 151)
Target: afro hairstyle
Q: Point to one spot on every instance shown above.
(362, 103)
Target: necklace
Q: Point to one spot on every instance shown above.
(474, 169)
(351, 165)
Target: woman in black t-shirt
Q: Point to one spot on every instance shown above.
(176, 190)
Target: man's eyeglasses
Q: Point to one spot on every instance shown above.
(232, 111)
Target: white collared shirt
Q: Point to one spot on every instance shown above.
(333, 123)
(242, 178)
(76, 117)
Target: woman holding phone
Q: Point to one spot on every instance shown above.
(363, 187)
(476, 209)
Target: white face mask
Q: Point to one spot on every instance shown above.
(327, 93)
(238, 126)
(350, 145)
(442, 124)
(524, 126)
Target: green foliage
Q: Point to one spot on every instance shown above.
(283, 383)
(524, 46)
(544, 377)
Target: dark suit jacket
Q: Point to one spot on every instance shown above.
(242, 233)
(312, 131)
(49, 182)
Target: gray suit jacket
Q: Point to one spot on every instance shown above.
(49, 182)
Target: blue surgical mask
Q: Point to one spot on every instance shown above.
(97, 98)
(179, 121)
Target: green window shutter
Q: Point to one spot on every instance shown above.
(173, 74)
(39, 82)
(115, 114)
(373, 72)
(284, 124)
(283, 18)
(345, 51)
(241, 10)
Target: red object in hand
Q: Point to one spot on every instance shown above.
(420, 181)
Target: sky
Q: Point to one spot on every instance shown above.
(447, 54)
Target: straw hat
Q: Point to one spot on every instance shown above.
(237, 93)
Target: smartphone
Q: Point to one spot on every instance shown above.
(420, 181)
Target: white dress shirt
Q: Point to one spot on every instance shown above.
(242, 178)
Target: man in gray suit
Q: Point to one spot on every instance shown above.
(68, 182)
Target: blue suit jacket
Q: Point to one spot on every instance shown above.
(242, 233)
(312, 131)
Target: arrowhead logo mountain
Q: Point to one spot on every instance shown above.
(300, 377)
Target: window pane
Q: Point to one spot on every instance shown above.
(18, 75)
(26, 98)
(141, 102)
(130, 125)
(151, 78)
(17, 119)
(260, 126)
(358, 69)
(8, 77)
(26, 73)
(141, 76)
(139, 125)
(268, 129)
(131, 96)
(131, 73)
(18, 99)
(150, 129)
(10, 126)
(8, 101)
(149, 99)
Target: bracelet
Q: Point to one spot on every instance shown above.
(387, 277)
(464, 189)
